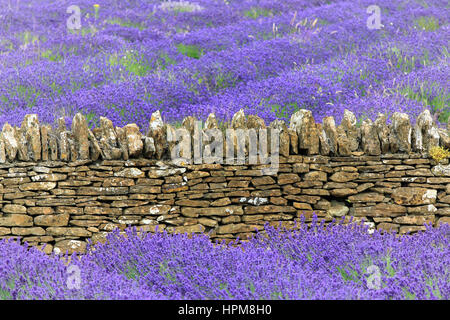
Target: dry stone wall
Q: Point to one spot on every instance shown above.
(62, 187)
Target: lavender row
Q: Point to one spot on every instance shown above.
(297, 56)
(337, 262)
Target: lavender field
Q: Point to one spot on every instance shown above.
(336, 262)
(125, 60)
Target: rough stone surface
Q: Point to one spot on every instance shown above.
(426, 134)
(10, 141)
(63, 200)
(441, 170)
(344, 176)
(324, 146)
(134, 140)
(69, 246)
(149, 147)
(16, 220)
(211, 122)
(383, 132)
(401, 133)
(130, 173)
(255, 122)
(30, 127)
(308, 137)
(239, 120)
(369, 138)
(108, 140)
(329, 127)
(284, 139)
(157, 133)
(352, 134)
(80, 132)
(337, 209)
(414, 196)
(50, 220)
(14, 208)
(122, 142)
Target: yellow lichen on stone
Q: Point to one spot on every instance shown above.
(439, 153)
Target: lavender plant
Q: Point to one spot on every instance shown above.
(268, 57)
(309, 262)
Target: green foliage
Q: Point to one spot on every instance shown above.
(128, 24)
(48, 54)
(164, 61)
(262, 35)
(56, 88)
(402, 61)
(282, 111)
(408, 295)
(181, 9)
(132, 272)
(445, 52)
(91, 30)
(96, 10)
(424, 94)
(350, 275)
(389, 268)
(423, 3)
(252, 287)
(27, 38)
(222, 80)
(190, 50)
(427, 23)
(166, 272)
(308, 24)
(4, 294)
(132, 62)
(224, 286)
(92, 117)
(28, 94)
(276, 295)
(256, 12)
(435, 290)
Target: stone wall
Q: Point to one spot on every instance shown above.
(61, 187)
